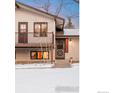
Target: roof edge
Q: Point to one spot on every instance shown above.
(36, 9)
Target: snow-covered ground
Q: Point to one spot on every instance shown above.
(49, 80)
(33, 66)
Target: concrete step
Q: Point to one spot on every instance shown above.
(62, 64)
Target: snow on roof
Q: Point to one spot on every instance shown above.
(71, 32)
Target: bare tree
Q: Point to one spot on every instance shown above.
(69, 24)
(77, 1)
(59, 8)
(46, 6)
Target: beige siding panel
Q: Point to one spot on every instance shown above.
(31, 17)
(73, 50)
(22, 15)
(23, 54)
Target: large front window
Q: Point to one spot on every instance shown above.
(40, 29)
(39, 55)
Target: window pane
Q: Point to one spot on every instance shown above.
(33, 55)
(40, 29)
(40, 55)
(23, 26)
(45, 55)
(44, 27)
(23, 30)
(37, 29)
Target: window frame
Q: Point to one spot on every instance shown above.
(41, 32)
(37, 55)
(19, 27)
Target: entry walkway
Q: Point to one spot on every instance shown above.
(62, 64)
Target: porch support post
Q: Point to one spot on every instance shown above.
(52, 47)
(51, 54)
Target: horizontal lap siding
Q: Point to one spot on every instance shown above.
(73, 49)
(22, 15)
(32, 39)
(30, 17)
(23, 55)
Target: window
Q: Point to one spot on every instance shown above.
(40, 29)
(23, 26)
(45, 55)
(33, 55)
(39, 55)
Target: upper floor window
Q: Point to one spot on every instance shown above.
(23, 26)
(40, 29)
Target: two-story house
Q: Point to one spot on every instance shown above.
(40, 37)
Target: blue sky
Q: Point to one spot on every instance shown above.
(70, 8)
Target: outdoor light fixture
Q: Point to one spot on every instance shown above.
(70, 39)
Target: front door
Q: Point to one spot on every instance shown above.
(23, 32)
(60, 49)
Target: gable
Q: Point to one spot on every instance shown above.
(59, 22)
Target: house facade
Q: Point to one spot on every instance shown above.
(40, 37)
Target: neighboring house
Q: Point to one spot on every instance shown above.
(40, 37)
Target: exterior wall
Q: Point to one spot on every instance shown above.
(23, 55)
(32, 39)
(31, 17)
(73, 50)
(23, 15)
